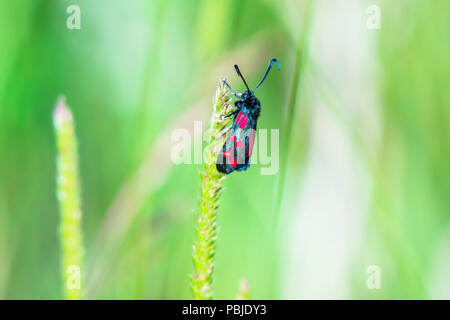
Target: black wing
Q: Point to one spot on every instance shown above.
(238, 147)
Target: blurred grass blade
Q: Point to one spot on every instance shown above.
(300, 60)
(205, 245)
(244, 290)
(68, 193)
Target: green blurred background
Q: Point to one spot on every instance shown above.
(367, 177)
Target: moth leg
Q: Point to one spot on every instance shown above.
(223, 133)
(227, 117)
(231, 114)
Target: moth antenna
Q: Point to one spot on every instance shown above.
(240, 75)
(229, 87)
(267, 72)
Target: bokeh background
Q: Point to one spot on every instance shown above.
(367, 174)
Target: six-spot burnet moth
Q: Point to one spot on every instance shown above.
(237, 149)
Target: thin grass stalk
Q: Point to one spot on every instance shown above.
(68, 194)
(206, 232)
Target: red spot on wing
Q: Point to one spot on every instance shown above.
(227, 153)
(239, 144)
(251, 144)
(233, 139)
(238, 118)
(231, 161)
(243, 122)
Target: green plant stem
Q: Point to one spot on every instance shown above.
(69, 200)
(206, 232)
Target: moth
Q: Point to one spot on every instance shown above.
(238, 146)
